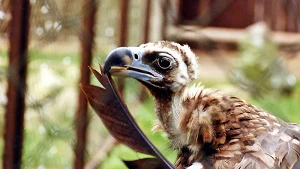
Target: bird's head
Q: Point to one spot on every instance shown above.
(160, 66)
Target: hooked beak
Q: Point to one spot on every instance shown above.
(127, 62)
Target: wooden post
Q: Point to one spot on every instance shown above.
(87, 41)
(164, 8)
(142, 95)
(123, 34)
(17, 70)
(147, 21)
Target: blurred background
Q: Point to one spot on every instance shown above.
(247, 48)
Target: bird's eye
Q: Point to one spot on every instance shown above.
(164, 62)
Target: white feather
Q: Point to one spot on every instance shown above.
(195, 166)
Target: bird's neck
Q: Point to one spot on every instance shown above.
(163, 100)
(203, 116)
(168, 107)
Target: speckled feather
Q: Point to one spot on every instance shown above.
(216, 129)
(225, 132)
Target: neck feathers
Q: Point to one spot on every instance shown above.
(196, 116)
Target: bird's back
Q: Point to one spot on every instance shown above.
(279, 148)
(242, 135)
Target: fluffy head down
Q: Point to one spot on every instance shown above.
(186, 60)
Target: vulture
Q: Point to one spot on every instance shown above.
(210, 129)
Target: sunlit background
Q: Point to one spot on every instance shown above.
(245, 48)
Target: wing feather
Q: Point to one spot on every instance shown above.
(110, 107)
(287, 152)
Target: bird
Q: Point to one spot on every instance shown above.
(208, 128)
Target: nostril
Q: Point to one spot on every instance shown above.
(136, 56)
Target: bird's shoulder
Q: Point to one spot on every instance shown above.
(225, 108)
(243, 134)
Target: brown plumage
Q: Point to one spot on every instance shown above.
(205, 125)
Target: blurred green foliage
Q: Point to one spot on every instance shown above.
(3, 84)
(285, 107)
(259, 69)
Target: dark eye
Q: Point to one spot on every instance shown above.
(164, 62)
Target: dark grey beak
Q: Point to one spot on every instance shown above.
(128, 62)
(119, 57)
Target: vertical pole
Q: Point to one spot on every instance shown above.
(292, 16)
(17, 70)
(142, 96)
(296, 14)
(164, 8)
(267, 12)
(147, 21)
(87, 41)
(123, 34)
(298, 19)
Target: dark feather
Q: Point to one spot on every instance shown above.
(145, 163)
(108, 104)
